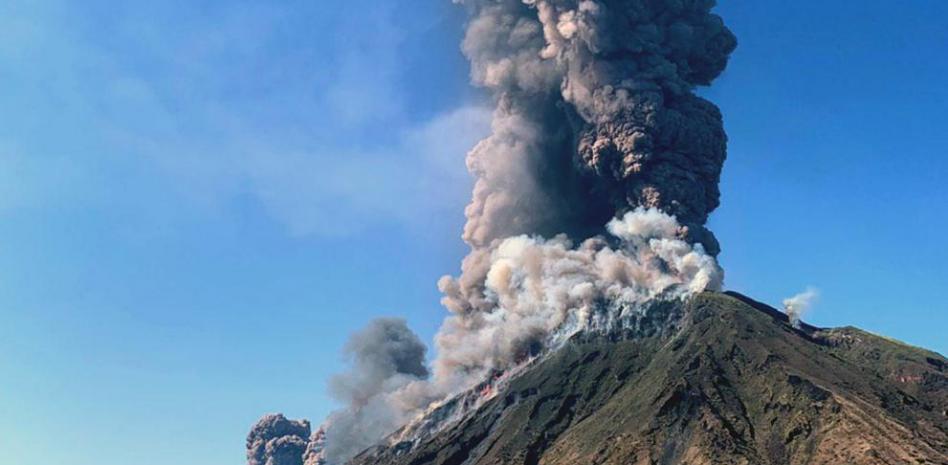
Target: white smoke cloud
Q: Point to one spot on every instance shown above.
(537, 293)
(795, 307)
(536, 290)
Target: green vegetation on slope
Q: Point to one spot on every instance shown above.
(730, 383)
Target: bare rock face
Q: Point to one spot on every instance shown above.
(734, 383)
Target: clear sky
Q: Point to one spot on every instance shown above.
(199, 200)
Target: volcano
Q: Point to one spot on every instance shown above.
(727, 380)
(586, 324)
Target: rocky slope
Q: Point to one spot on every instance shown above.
(731, 383)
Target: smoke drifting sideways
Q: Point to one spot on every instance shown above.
(795, 307)
(590, 199)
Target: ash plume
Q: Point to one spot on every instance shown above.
(595, 119)
(275, 440)
(590, 199)
(383, 387)
(596, 114)
(795, 307)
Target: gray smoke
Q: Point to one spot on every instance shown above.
(385, 352)
(384, 385)
(275, 440)
(590, 199)
(595, 115)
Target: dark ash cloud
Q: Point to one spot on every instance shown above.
(591, 196)
(275, 440)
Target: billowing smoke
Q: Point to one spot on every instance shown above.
(537, 292)
(275, 440)
(795, 307)
(595, 115)
(590, 199)
(383, 388)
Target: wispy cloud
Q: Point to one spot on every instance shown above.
(208, 105)
(333, 192)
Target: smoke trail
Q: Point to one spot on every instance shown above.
(799, 304)
(590, 199)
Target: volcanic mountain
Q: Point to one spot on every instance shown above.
(716, 379)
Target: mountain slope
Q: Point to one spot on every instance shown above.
(733, 383)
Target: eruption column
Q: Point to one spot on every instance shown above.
(590, 199)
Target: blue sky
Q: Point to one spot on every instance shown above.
(200, 200)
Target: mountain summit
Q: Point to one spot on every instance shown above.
(731, 381)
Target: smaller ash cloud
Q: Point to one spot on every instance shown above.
(276, 440)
